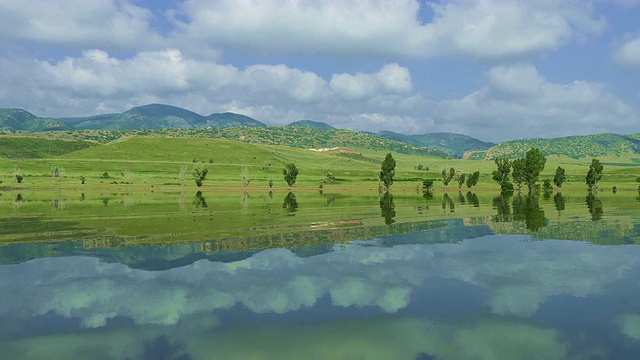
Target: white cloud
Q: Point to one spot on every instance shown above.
(628, 55)
(477, 29)
(108, 24)
(391, 79)
(518, 102)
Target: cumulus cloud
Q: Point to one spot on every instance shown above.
(391, 79)
(628, 54)
(477, 29)
(518, 102)
(108, 24)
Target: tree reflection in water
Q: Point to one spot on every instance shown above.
(527, 208)
(472, 198)
(290, 204)
(503, 208)
(387, 208)
(199, 200)
(595, 206)
(560, 201)
(448, 203)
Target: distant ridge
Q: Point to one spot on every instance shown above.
(572, 146)
(318, 125)
(454, 144)
(309, 133)
(228, 119)
(18, 119)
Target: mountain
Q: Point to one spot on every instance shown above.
(312, 124)
(153, 116)
(227, 119)
(453, 144)
(572, 146)
(18, 119)
(73, 121)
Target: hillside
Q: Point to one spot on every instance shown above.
(25, 147)
(154, 116)
(297, 137)
(310, 138)
(454, 144)
(318, 125)
(571, 146)
(227, 119)
(18, 119)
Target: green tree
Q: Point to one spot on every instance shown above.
(472, 179)
(460, 178)
(290, 173)
(18, 174)
(199, 175)
(388, 170)
(534, 164)
(82, 179)
(594, 175)
(447, 175)
(560, 177)
(518, 167)
(503, 170)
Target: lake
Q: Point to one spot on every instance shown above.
(175, 275)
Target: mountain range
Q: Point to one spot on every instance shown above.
(159, 116)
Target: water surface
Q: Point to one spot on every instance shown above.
(320, 276)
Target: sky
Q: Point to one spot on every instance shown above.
(495, 70)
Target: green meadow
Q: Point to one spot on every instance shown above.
(143, 200)
(154, 161)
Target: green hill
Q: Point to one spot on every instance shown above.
(227, 119)
(18, 119)
(576, 147)
(153, 116)
(25, 147)
(296, 137)
(96, 119)
(454, 144)
(318, 125)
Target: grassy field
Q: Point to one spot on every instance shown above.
(151, 161)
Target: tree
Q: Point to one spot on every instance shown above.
(472, 179)
(199, 175)
(388, 170)
(183, 175)
(534, 163)
(518, 166)
(447, 176)
(18, 174)
(502, 173)
(460, 178)
(245, 177)
(290, 173)
(594, 174)
(560, 177)
(82, 179)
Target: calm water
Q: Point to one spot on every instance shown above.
(406, 277)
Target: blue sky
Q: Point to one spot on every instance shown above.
(492, 69)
